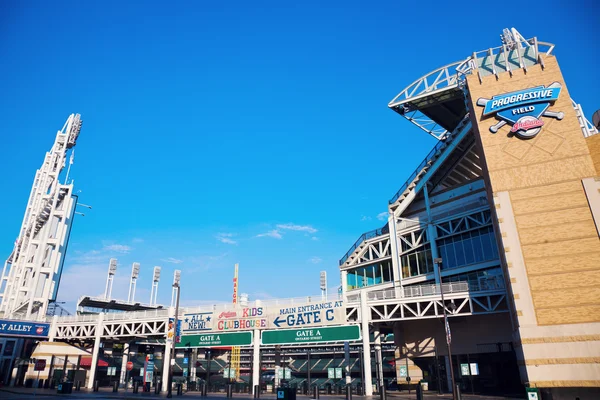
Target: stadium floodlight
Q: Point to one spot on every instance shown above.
(112, 270)
(112, 266)
(176, 277)
(324, 284)
(135, 270)
(154, 291)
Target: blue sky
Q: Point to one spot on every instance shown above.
(250, 132)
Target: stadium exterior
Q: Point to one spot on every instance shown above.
(507, 202)
(497, 228)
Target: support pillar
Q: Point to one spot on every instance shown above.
(255, 361)
(432, 235)
(123, 379)
(96, 350)
(364, 319)
(193, 359)
(166, 365)
(378, 358)
(53, 325)
(396, 270)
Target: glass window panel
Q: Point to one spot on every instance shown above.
(387, 271)
(405, 266)
(369, 276)
(459, 252)
(450, 260)
(414, 266)
(429, 260)
(468, 248)
(477, 246)
(377, 273)
(488, 252)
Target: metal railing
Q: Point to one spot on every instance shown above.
(428, 290)
(365, 236)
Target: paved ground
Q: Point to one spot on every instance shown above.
(105, 393)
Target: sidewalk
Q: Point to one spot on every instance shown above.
(107, 393)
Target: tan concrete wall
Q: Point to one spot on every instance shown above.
(593, 143)
(549, 238)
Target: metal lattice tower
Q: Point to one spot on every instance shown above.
(31, 274)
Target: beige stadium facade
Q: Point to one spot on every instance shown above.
(516, 160)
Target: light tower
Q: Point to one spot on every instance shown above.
(176, 279)
(154, 291)
(112, 270)
(32, 272)
(135, 273)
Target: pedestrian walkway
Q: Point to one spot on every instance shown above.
(10, 393)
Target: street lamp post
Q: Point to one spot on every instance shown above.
(438, 263)
(172, 358)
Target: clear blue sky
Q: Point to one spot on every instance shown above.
(207, 124)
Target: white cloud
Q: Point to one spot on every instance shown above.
(382, 216)
(314, 238)
(226, 238)
(315, 260)
(294, 227)
(275, 234)
(365, 218)
(117, 248)
(137, 240)
(172, 260)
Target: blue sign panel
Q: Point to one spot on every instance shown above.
(522, 109)
(23, 328)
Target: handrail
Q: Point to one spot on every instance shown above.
(429, 290)
(365, 236)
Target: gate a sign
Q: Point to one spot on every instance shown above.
(40, 365)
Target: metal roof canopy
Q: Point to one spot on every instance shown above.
(94, 302)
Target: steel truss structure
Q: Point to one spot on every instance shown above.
(424, 301)
(448, 81)
(31, 273)
(115, 325)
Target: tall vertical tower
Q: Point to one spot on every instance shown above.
(544, 186)
(32, 272)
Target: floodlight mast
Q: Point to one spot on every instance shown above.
(112, 270)
(135, 273)
(31, 274)
(154, 291)
(176, 280)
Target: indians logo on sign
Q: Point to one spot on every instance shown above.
(522, 109)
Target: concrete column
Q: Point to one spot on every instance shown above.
(378, 357)
(364, 319)
(431, 234)
(123, 379)
(194, 358)
(53, 327)
(396, 270)
(95, 351)
(255, 359)
(166, 365)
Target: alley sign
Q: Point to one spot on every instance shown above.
(312, 335)
(216, 339)
(23, 328)
(305, 315)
